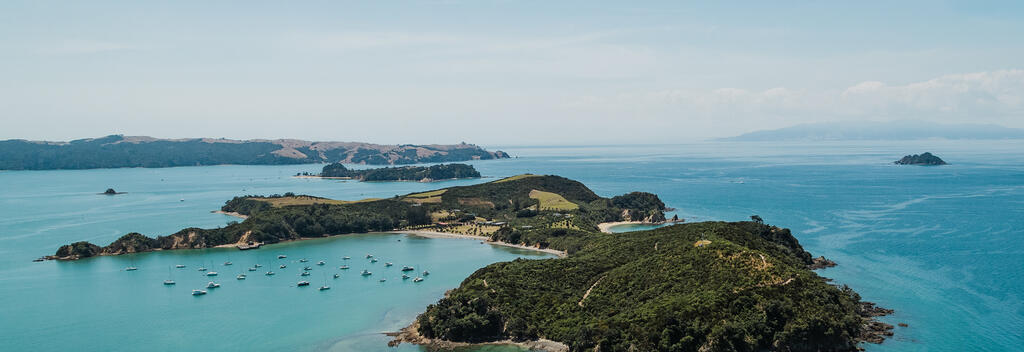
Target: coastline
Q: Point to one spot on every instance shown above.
(411, 334)
(484, 239)
(420, 181)
(230, 213)
(606, 227)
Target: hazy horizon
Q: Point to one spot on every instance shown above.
(500, 73)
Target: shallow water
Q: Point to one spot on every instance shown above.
(941, 245)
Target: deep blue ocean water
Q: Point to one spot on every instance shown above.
(943, 246)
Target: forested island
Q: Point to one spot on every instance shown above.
(923, 159)
(711, 286)
(400, 173)
(134, 151)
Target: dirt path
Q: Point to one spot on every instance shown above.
(586, 294)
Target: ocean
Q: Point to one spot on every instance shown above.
(940, 245)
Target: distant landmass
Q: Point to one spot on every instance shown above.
(896, 130)
(400, 173)
(133, 151)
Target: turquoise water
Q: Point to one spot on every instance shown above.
(941, 245)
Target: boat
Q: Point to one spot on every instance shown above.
(369, 255)
(283, 266)
(408, 268)
(240, 277)
(366, 273)
(227, 263)
(307, 268)
(131, 268)
(320, 263)
(282, 256)
(346, 258)
(248, 246)
(418, 279)
(374, 260)
(198, 292)
(252, 269)
(425, 273)
(405, 277)
(303, 260)
(212, 285)
(168, 281)
(382, 280)
(38, 260)
(257, 265)
(212, 273)
(179, 266)
(388, 264)
(303, 283)
(304, 273)
(343, 267)
(336, 276)
(201, 269)
(325, 287)
(270, 273)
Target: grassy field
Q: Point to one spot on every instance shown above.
(430, 194)
(304, 200)
(552, 201)
(516, 177)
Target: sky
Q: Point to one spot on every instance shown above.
(500, 72)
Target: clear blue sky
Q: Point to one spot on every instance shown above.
(500, 72)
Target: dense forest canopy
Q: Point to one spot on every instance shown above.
(747, 289)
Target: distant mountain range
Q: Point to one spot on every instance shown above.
(132, 151)
(896, 130)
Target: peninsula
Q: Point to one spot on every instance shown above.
(134, 151)
(710, 286)
(400, 173)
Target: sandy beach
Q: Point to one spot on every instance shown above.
(606, 227)
(484, 239)
(230, 213)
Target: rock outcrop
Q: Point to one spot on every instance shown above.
(920, 159)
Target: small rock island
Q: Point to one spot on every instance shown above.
(110, 192)
(923, 159)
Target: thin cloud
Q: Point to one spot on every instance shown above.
(77, 47)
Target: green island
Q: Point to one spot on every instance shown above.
(398, 173)
(710, 286)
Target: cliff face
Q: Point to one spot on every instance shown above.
(922, 159)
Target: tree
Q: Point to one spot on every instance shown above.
(757, 219)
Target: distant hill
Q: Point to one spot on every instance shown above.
(896, 130)
(131, 151)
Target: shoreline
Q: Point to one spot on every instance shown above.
(410, 334)
(355, 179)
(484, 239)
(606, 227)
(230, 213)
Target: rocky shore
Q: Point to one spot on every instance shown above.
(410, 334)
